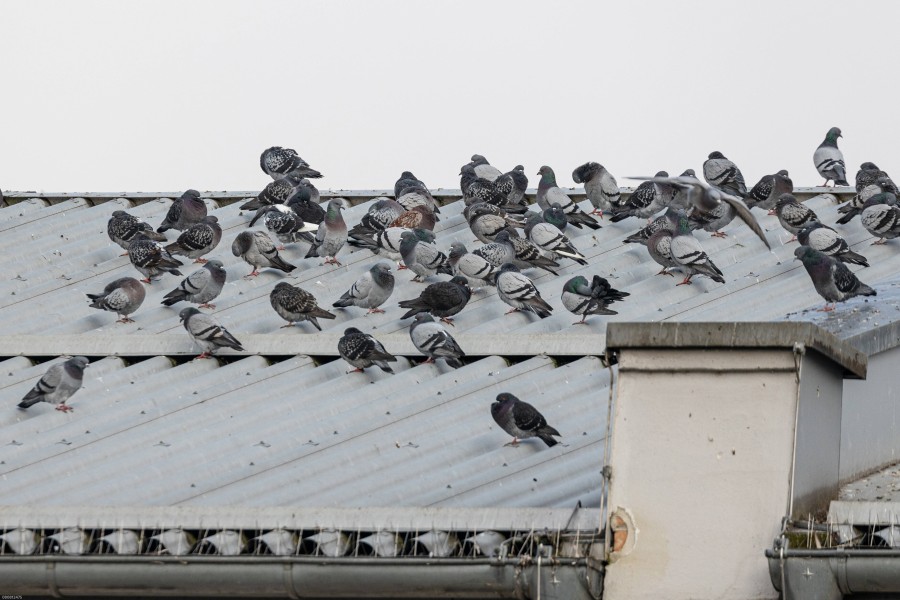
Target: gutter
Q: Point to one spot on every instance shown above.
(833, 574)
(300, 577)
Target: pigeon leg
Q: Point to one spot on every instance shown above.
(357, 370)
(793, 239)
(582, 321)
(687, 281)
(206, 305)
(401, 267)
(146, 280)
(447, 320)
(253, 273)
(598, 212)
(374, 310)
(204, 355)
(280, 248)
(880, 242)
(124, 253)
(514, 443)
(665, 271)
(427, 360)
(200, 260)
(286, 326)
(718, 234)
(827, 308)
(125, 320)
(64, 407)
(510, 311)
(330, 260)
(771, 212)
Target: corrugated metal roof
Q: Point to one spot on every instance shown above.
(264, 431)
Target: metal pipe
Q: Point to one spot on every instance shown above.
(832, 574)
(290, 577)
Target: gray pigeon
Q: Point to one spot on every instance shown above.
(499, 251)
(551, 240)
(471, 266)
(881, 217)
(556, 216)
(646, 200)
(831, 278)
(387, 242)
(514, 183)
(431, 339)
(486, 221)
(720, 172)
(681, 198)
(583, 299)
(659, 246)
(331, 235)
(793, 215)
(599, 185)
(442, 299)
(277, 162)
(519, 291)
(207, 332)
(382, 212)
(867, 175)
(521, 420)
(528, 255)
(706, 199)
(416, 196)
(767, 191)
(184, 212)
(294, 304)
(198, 239)
(122, 227)
(362, 350)
(826, 240)
(371, 290)
(123, 296)
(483, 168)
(258, 250)
(200, 287)
(407, 181)
(151, 259)
(58, 384)
(549, 193)
(276, 192)
(883, 185)
(422, 258)
(286, 224)
(689, 255)
(828, 159)
(668, 220)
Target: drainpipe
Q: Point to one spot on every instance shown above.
(833, 574)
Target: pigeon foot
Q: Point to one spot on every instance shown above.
(64, 408)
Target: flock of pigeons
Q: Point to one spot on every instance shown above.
(515, 239)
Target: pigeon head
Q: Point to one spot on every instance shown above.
(281, 285)
(504, 397)
(689, 173)
(573, 284)
(784, 200)
(585, 172)
(808, 256)
(683, 225)
(519, 168)
(214, 263)
(833, 134)
(457, 249)
(423, 317)
(547, 175)
(460, 280)
(866, 166)
(351, 331)
(502, 237)
(78, 362)
(334, 207)
(191, 194)
(715, 155)
(507, 267)
(478, 159)
(661, 174)
(783, 173)
(187, 313)
(119, 214)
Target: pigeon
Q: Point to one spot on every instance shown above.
(647, 199)
(486, 221)
(422, 258)
(471, 266)
(207, 332)
(382, 212)
(499, 251)
(287, 225)
(305, 202)
(385, 242)
(416, 196)
(294, 304)
(122, 227)
(198, 239)
(681, 197)
(371, 290)
(258, 250)
(521, 420)
(331, 235)
(689, 256)
(442, 299)
(867, 175)
(528, 255)
(276, 192)
(579, 298)
(519, 291)
(766, 192)
(277, 162)
(478, 189)
(122, 296)
(826, 240)
(551, 240)
(831, 278)
(548, 193)
(720, 172)
(793, 215)
(151, 259)
(516, 183)
(599, 186)
(883, 187)
(407, 181)
(556, 216)
(362, 350)
(659, 245)
(58, 384)
(881, 217)
(705, 199)
(828, 159)
(483, 168)
(431, 339)
(184, 212)
(668, 220)
(417, 217)
(201, 287)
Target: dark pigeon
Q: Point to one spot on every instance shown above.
(362, 350)
(277, 162)
(521, 420)
(831, 278)
(184, 212)
(123, 227)
(198, 239)
(443, 299)
(294, 304)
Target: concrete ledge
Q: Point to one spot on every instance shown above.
(737, 335)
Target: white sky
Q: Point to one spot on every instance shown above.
(163, 96)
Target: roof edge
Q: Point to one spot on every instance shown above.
(734, 335)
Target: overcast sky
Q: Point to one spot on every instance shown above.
(164, 96)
